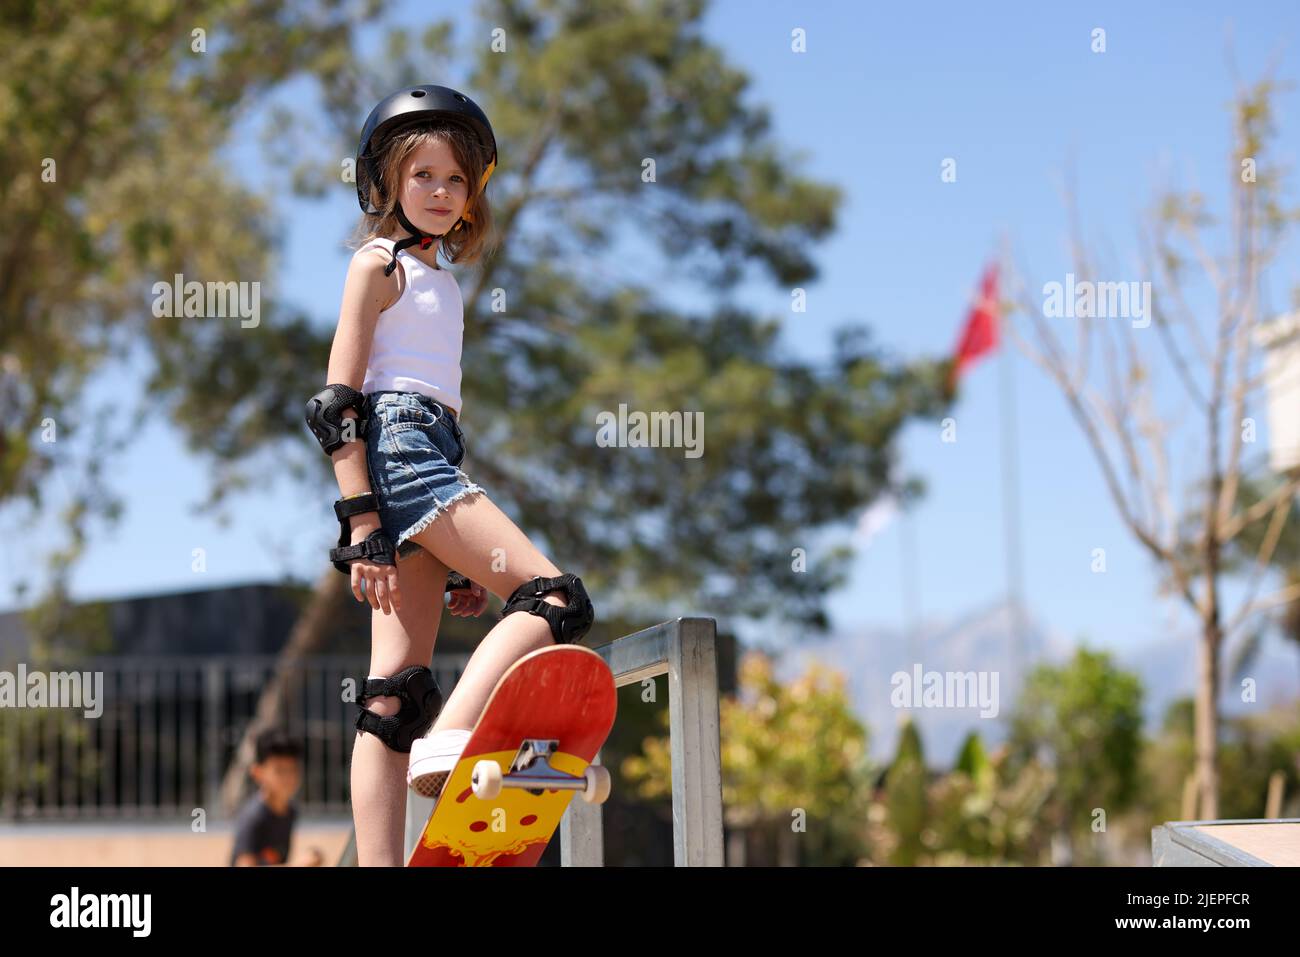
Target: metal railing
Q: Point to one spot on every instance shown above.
(170, 725)
(685, 650)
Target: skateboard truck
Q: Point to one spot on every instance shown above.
(531, 770)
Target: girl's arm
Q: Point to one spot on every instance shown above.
(366, 293)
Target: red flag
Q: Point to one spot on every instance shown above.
(981, 332)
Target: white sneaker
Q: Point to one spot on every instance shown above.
(432, 760)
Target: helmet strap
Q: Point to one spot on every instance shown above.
(418, 237)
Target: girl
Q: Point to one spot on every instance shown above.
(426, 153)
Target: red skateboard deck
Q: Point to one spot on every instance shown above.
(562, 696)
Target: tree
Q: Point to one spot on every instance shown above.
(907, 811)
(1085, 721)
(989, 809)
(1214, 362)
(1272, 542)
(613, 118)
(111, 182)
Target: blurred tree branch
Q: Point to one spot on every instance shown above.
(1138, 476)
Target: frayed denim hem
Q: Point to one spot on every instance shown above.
(439, 507)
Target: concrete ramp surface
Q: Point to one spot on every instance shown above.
(1258, 843)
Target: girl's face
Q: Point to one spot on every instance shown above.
(434, 188)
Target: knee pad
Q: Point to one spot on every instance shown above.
(568, 623)
(421, 701)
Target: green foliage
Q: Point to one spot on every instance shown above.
(973, 760)
(115, 176)
(991, 813)
(1252, 748)
(112, 178)
(789, 755)
(1245, 550)
(1074, 747)
(905, 798)
(987, 810)
(1250, 753)
(1084, 720)
(560, 325)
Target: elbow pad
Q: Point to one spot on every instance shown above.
(326, 420)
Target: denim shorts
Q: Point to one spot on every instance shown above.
(414, 447)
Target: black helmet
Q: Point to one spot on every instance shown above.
(414, 106)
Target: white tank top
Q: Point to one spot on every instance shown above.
(417, 340)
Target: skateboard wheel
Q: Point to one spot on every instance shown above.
(598, 784)
(486, 780)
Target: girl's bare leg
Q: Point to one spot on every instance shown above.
(477, 539)
(397, 641)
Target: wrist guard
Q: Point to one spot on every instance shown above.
(377, 547)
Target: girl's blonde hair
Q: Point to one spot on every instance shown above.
(473, 240)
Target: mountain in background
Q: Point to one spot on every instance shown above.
(869, 657)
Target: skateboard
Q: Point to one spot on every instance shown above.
(529, 753)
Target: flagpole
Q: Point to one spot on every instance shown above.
(983, 331)
(1011, 500)
(911, 602)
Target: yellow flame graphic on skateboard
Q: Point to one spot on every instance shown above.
(479, 832)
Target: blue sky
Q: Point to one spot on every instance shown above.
(883, 95)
